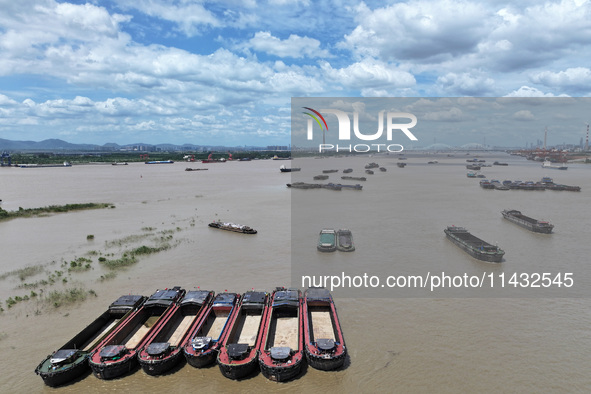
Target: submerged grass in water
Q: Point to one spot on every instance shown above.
(130, 257)
(24, 273)
(70, 296)
(124, 261)
(30, 212)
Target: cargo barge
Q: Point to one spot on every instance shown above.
(474, 246)
(537, 226)
(238, 355)
(237, 228)
(323, 337)
(282, 351)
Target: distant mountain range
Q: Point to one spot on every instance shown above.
(54, 145)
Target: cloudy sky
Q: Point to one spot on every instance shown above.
(224, 72)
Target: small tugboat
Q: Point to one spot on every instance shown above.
(116, 355)
(164, 349)
(320, 177)
(473, 167)
(347, 171)
(383, 169)
(329, 171)
(323, 337)
(327, 240)
(237, 228)
(71, 360)
(498, 163)
(401, 165)
(205, 340)
(238, 356)
(537, 226)
(369, 172)
(474, 246)
(345, 240)
(282, 350)
(371, 165)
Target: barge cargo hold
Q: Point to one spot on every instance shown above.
(327, 240)
(324, 342)
(238, 355)
(345, 240)
(474, 246)
(282, 351)
(537, 226)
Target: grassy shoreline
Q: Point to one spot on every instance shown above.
(33, 212)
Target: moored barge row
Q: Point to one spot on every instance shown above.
(544, 184)
(274, 333)
(537, 226)
(474, 246)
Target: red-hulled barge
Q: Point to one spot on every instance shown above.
(163, 350)
(282, 351)
(204, 341)
(238, 356)
(116, 355)
(324, 342)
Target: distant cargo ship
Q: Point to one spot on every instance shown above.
(537, 226)
(548, 164)
(65, 164)
(474, 246)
